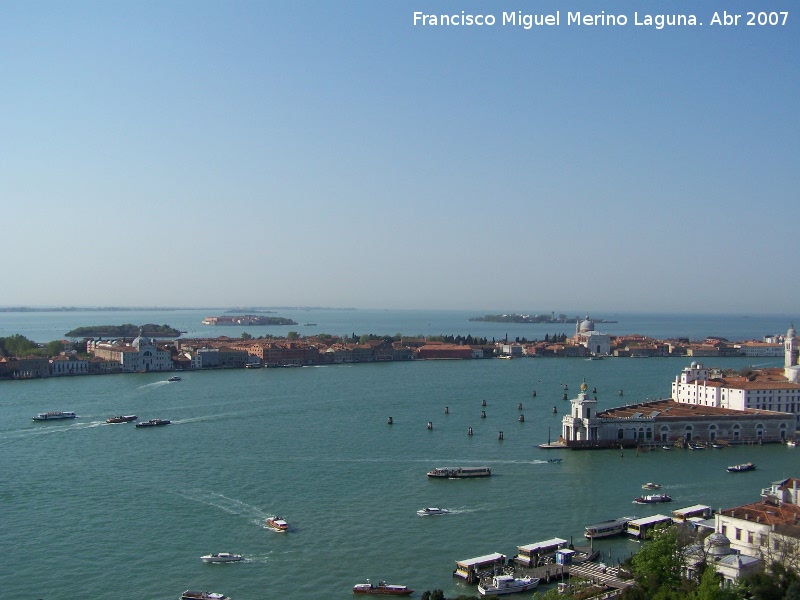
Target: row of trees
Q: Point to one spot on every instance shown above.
(19, 345)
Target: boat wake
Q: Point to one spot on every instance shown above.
(152, 385)
(232, 506)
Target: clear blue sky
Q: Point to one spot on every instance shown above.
(329, 152)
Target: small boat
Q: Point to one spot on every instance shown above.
(697, 447)
(382, 588)
(221, 557)
(277, 524)
(154, 423)
(742, 467)
(651, 486)
(507, 584)
(122, 419)
(606, 528)
(194, 595)
(174, 378)
(791, 443)
(54, 415)
(434, 510)
(666, 447)
(716, 446)
(653, 499)
(554, 460)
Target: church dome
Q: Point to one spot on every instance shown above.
(718, 544)
(587, 324)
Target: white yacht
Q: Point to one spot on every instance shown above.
(433, 510)
(507, 584)
(221, 557)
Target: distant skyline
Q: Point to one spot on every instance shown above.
(308, 153)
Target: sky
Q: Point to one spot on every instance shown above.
(333, 153)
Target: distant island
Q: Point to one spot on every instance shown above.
(514, 318)
(248, 320)
(127, 330)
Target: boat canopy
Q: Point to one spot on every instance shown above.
(480, 560)
(545, 546)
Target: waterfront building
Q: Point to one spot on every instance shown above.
(598, 344)
(444, 351)
(69, 365)
(669, 422)
(764, 389)
(140, 355)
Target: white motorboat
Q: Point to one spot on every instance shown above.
(221, 557)
(433, 510)
(507, 584)
(651, 486)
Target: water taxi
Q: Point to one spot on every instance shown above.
(154, 423)
(651, 486)
(434, 510)
(653, 499)
(174, 378)
(382, 588)
(221, 557)
(194, 595)
(741, 468)
(122, 419)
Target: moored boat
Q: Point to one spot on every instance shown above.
(154, 423)
(743, 467)
(122, 419)
(434, 510)
(606, 528)
(460, 472)
(203, 595)
(382, 588)
(277, 524)
(221, 557)
(653, 499)
(507, 584)
(55, 415)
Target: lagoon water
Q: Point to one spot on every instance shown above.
(110, 511)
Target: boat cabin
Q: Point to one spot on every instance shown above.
(533, 555)
(698, 510)
(473, 569)
(639, 528)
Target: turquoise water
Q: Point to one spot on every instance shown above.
(110, 511)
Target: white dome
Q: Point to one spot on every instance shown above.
(587, 325)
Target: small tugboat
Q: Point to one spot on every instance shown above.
(741, 468)
(193, 595)
(651, 486)
(382, 588)
(507, 584)
(154, 423)
(434, 510)
(221, 557)
(653, 499)
(122, 419)
(277, 524)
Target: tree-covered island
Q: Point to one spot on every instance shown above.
(128, 330)
(514, 318)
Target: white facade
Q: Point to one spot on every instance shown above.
(760, 392)
(582, 422)
(141, 355)
(69, 365)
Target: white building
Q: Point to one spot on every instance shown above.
(598, 344)
(140, 355)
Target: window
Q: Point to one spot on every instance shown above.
(738, 534)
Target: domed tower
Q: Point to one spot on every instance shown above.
(581, 424)
(587, 325)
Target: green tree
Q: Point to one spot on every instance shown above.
(657, 568)
(55, 348)
(246, 336)
(709, 588)
(292, 335)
